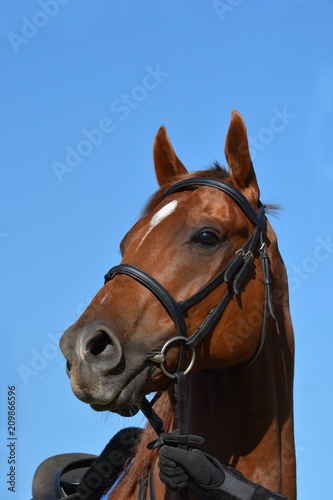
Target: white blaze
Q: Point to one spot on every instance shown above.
(101, 302)
(159, 216)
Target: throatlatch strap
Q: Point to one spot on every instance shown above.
(267, 276)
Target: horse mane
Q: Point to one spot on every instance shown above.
(138, 468)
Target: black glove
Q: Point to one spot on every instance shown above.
(206, 477)
(181, 469)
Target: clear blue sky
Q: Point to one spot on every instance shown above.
(69, 193)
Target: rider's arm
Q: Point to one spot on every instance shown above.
(207, 478)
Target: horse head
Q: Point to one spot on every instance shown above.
(182, 241)
(200, 284)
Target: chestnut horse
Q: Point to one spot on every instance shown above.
(187, 255)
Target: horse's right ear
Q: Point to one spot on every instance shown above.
(167, 164)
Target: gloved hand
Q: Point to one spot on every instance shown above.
(206, 477)
(182, 469)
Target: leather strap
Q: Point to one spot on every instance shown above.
(234, 193)
(156, 288)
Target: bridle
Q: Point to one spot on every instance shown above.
(233, 274)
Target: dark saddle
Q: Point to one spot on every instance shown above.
(80, 476)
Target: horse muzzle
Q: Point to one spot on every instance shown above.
(91, 354)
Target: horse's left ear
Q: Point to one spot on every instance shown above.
(167, 164)
(237, 153)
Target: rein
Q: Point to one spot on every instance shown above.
(234, 274)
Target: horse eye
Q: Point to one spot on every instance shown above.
(207, 238)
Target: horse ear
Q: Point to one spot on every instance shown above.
(167, 164)
(237, 153)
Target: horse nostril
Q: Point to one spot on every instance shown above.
(99, 349)
(68, 368)
(101, 345)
